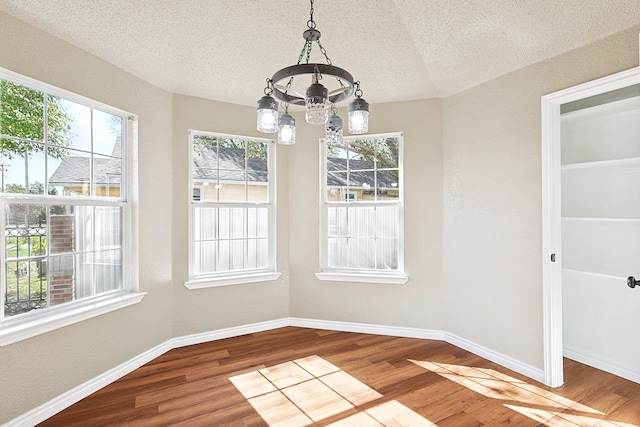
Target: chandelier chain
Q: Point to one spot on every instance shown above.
(282, 82)
(268, 90)
(358, 91)
(311, 23)
(308, 44)
(324, 52)
(304, 49)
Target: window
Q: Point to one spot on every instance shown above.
(362, 215)
(64, 206)
(232, 225)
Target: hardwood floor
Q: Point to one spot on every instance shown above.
(297, 376)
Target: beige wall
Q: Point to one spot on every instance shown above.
(415, 304)
(38, 369)
(492, 197)
(205, 310)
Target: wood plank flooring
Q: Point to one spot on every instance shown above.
(298, 376)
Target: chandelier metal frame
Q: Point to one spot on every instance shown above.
(316, 97)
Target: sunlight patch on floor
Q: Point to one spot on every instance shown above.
(308, 390)
(527, 399)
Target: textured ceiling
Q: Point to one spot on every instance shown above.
(398, 49)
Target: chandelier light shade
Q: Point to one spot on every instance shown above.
(300, 85)
(358, 116)
(333, 129)
(286, 129)
(316, 104)
(267, 114)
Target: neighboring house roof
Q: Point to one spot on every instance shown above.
(75, 170)
(361, 173)
(229, 167)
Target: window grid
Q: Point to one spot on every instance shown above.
(81, 270)
(362, 205)
(232, 223)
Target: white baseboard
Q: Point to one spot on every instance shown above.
(49, 409)
(602, 363)
(499, 358)
(235, 331)
(430, 334)
(364, 328)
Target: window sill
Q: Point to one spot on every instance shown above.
(393, 279)
(15, 330)
(236, 279)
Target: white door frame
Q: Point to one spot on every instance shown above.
(551, 221)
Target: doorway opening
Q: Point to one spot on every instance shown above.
(591, 211)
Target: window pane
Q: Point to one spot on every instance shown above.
(257, 187)
(26, 287)
(337, 157)
(205, 257)
(69, 126)
(257, 256)
(233, 186)
(108, 270)
(361, 253)
(387, 152)
(362, 184)
(337, 252)
(337, 222)
(257, 160)
(366, 234)
(337, 188)
(387, 182)
(237, 255)
(107, 134)
(108, 226)
(21, 218)
(82, 281)
(71, 175)
(387, 222)
(237, 224)
(21, 115)
(205, 222)
(257, 223)
(233, 154)
(107, 174)
(362, 221)
(25, 258)
(224, 223)
(224, 255)
(23, 173)
(387, 254)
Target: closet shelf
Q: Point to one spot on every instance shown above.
(598, 219)
(592, 273)
(602, 163)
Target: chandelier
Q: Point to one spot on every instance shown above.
(319, 101)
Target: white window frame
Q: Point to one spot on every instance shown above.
(36, 322)
(235, 277)
(361, 275)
